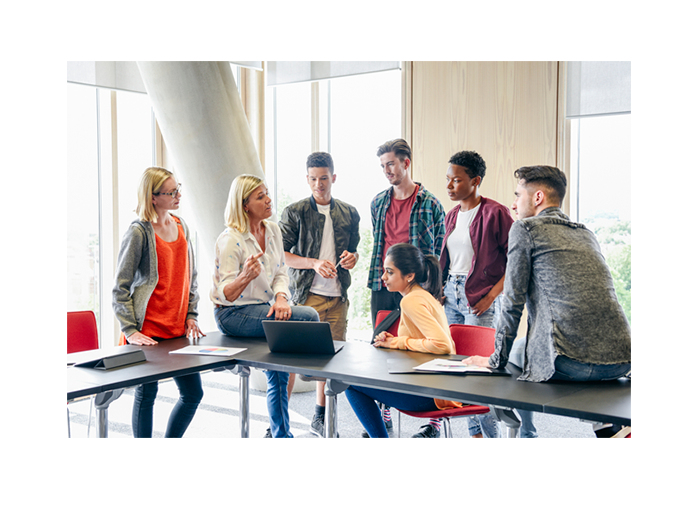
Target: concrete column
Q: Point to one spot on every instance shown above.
(204, 126)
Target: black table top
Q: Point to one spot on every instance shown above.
(362, 364)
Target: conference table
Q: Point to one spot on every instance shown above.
(359, 364)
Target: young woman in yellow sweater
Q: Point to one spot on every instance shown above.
(423, 328)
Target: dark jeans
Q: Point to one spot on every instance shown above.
(190, 394)
(362, 401)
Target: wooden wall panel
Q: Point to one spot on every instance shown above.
(505, 111)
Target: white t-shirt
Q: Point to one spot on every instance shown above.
(459, 244)
(326, 286)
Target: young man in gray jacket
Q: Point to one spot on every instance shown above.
(321, 236)
(577, 330)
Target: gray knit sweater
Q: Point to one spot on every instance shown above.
(137, 276)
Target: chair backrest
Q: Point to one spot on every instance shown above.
(382, 314)
(82, 331)
(472, 340)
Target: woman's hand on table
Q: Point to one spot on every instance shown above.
(478, 361)
(192, 330)
(139, 338)
(383, 339)
(281, 310)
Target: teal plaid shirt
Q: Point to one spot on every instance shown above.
(427, 229)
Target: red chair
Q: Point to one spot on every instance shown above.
(82, 336)
(470, 341)
(82, 332)
(382, 314)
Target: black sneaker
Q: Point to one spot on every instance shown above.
(317, 426)
(608, 431)
(428, 431)
(268, 434)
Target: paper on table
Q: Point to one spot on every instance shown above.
(208, 350)
(445, 365)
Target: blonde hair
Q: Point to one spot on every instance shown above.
(240, 191)
(152, 180)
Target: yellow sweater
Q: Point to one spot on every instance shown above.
(423, 325)
(424, 328)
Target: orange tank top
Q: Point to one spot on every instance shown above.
(166, 314)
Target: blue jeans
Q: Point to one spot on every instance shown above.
(363, 402)
(190, 394)
(566, 369)
(247, 321)
(458, 311)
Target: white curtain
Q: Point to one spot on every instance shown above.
(281, 73)
(121, 75)
(597, 88)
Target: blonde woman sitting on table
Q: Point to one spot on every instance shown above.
(155, 294)
(423, 327)
(250, 282)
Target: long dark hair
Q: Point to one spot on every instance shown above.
(407, 258)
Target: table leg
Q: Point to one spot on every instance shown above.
(508, 418)
(244, 393)
(102, 401)
(332, 389)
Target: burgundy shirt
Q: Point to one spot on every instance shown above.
(489, 233)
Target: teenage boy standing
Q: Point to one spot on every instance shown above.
(321, 235)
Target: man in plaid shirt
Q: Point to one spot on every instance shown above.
(404, 213)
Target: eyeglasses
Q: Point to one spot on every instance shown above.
(171, 194)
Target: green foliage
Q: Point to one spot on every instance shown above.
(359, 293)
(615, 241)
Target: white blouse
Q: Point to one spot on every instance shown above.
(231, 251)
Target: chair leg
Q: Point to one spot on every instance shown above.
(448, 433)
(89, 415)
(399, 414)
(68, 411)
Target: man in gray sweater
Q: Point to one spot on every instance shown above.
(577, 330)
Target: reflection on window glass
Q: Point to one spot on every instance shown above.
(361, 113)
(365, 111)
(292, 142)
(135, 151)
(83, 203)
(602, 148)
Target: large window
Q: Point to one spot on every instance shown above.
(349, 118)
(83, 200)
(110, 143)
(600, 172)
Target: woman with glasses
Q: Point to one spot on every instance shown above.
(155, 295)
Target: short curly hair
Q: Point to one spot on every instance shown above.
(472, 162)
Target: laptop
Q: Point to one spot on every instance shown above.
(300, 337)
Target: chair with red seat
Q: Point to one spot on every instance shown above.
(470, 341)
(82, 336)
(381, 315)
(82, 331)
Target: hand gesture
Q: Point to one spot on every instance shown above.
(192, 330)
(252, 267)
(478, 361)
(139, 338)
(383, 339)
(348, 260)
(325, 268)
(280, 309)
